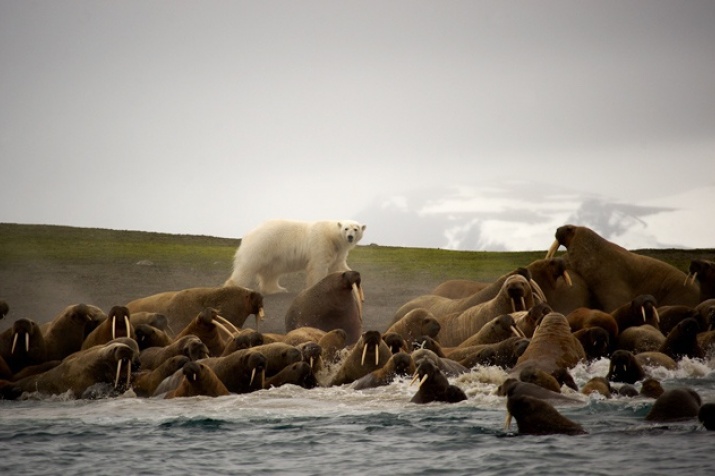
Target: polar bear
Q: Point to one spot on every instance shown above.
(278, 247)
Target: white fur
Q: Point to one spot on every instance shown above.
(277, 247)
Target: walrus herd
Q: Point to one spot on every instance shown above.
(596, 300)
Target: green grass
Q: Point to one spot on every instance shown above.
(70, 245)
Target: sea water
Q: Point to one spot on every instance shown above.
(338, 430)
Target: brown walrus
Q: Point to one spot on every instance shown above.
(434, 386)
(535, 416)
(370, 353)
(334, 302)
(399, 364)
(198, 379)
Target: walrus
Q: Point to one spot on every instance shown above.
(595, 342)
(563, 288)
(615, 275)
(245, 339)
(190, 346)
(704, 272)
(116, 325)
(208, 327)
(400, 364)
(552, 347)
(416, 323)
(434, 386)
(515, 295)
(642, 309)
(66, 332)
(504, 354)
(303, 334)
(278, 356)
(110, 363)
(706, 416)
(368, 354)
(540, 378)
(147, 336)
(586, 318)
(651, 388)
(670, 316)
(4, 308)
(440, 306)
(498, 329)
(395, 342)
(334, 302)
(233, 303)
(147, 381)
(599, 385)
(242, 371)
(656, 359)
(153, 319)
(448, 366)
(297, 373)
(312, 353)
(682, 341)
(512, 387)
(535, 416)
(624, 368)
(23, 345)
(198, 379)
(676, 404)
(332, 343)
(639, 339)
(528, 321)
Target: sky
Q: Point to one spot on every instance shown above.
(211, 117)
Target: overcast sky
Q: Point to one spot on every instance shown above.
(209, 117)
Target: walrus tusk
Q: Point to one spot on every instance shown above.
(552, 249)
(128, 325)
(119, 369)
(14, 343)
(114, 331)
(364, 353)
(357, 292)
(129, 374)
(253, 375)
(513, 305)
(228, 323)
(690, 277)
(523, 303)
(311, 362)
(414, 378)
(259, 317)
(656, 316)
(507, 421)
(377, 355)
(516, 331)
(423, 380)
(223, 328)
(27, 342)
(643, 313)
(567, 278)
(537, 290)
(194, 377)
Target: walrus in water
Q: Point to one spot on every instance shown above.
(434, 386)
(116, 325)
(535, 416)
(23, 345)
(706, 415)
(399, 364)
(676, 404)
(111, 363)
(198, 379)
(624, 368)
(370, 353)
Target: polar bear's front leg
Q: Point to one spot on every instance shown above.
(317, 270)
(269, 285)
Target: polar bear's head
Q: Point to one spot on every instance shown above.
(351, 231)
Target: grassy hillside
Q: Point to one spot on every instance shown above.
(45, 268)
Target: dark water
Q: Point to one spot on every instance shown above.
(290, 430)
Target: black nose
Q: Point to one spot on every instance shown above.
(350, 239)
